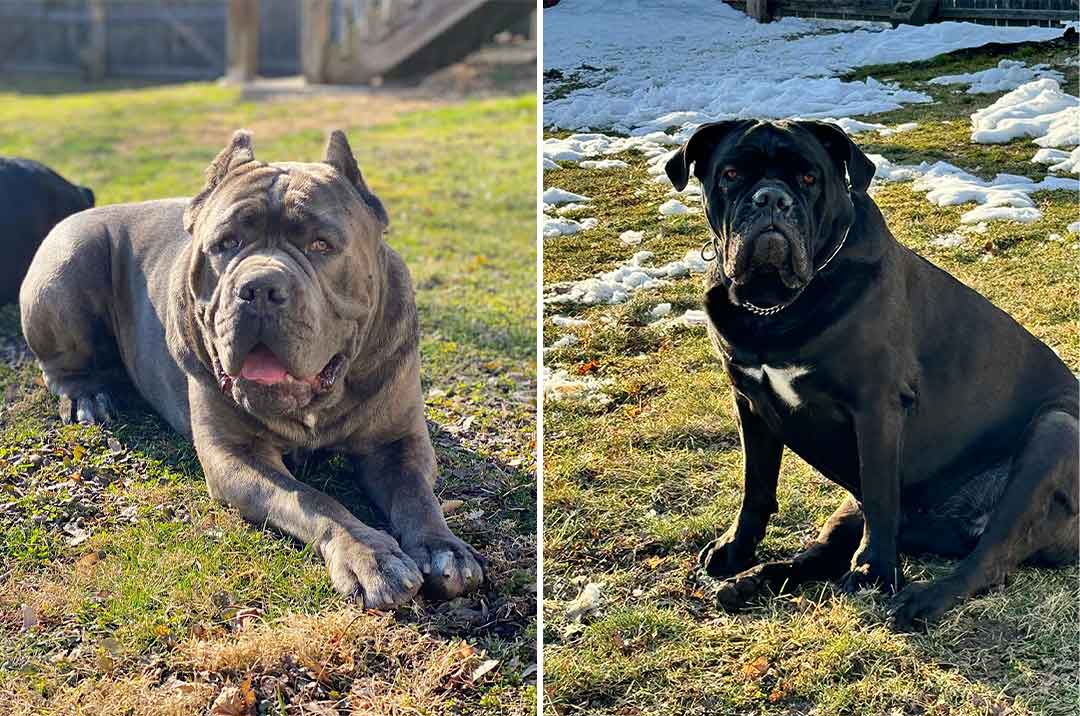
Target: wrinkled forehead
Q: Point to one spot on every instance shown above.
(780, 143)
(295, 195)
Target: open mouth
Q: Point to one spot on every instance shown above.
(263, 367)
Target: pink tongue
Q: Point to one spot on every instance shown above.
(263, 366)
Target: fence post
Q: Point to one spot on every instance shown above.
(314, 39)
(94, 55)
(758, 9)
(242, 41)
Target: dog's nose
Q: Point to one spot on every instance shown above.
(773, 196)
(266, 289)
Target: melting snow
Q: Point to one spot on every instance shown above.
(583, 390)
(555, 195)
(1037, 109)
(673, 207)
(564, 227)
(1006, 196)
(616, 286)
(567, 340)
(659, 311)
(679, 62)
(1009, 74)
(603, 164)
(579, 147)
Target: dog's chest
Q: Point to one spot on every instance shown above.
(779, 385)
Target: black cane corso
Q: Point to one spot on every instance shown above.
(33, 199)
(953, 429)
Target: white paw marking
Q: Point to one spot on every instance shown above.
(781, 380)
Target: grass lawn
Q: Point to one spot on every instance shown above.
(633, 488)
(125, 590)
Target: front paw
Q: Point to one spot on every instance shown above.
(921, 603)
(736, 592)
(94, 408)
(369, 566)
(450, 566)
(725, 556)
(871, 575)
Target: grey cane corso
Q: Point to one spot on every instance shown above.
(264, 316)
(953, 429)
(33, 199)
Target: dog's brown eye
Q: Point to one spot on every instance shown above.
(731, 174)
(320, 246)
(226, 243)
(808, 179)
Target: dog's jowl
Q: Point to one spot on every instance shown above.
(953, 429)
(264, 316)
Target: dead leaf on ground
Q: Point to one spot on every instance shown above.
(756, 668)
(484, 668)
(587, 367)
(89, 559)
(235, 700)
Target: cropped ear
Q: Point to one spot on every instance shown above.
(700, 143)
(238, 151)
(860, 170)
(339, 155)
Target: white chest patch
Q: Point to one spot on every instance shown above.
(781, 380)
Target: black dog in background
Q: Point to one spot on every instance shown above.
(33, 199)
(953, 429)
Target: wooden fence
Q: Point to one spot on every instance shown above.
(997, 12)
(168, 39)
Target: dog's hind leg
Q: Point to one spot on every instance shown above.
(1034, 521)
(64, 308)
(829, 557)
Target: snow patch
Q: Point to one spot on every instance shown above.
(1005, 197)
(674, 207)
(565, 227)
(659, 311)
(616, 286)
(1008, 75)
(555, 196)
(603, 164)
(583, 146)
(567, 340)
(1037, 109)
(587, 391)
(679, 62)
